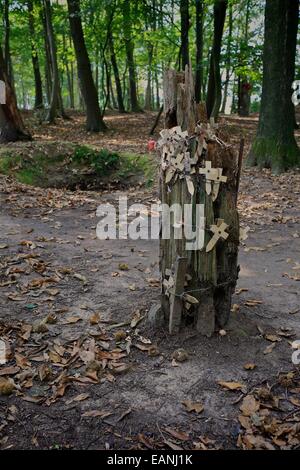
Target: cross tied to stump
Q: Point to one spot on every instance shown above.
(197, 167)
(214, 178)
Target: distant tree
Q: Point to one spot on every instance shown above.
(185, 25)
(199, 49)
(214, 92)
(56, 102)
(94, 118)
(275, 145)
(35, 59)
(129, 48)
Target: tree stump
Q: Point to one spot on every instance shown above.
(197, 167)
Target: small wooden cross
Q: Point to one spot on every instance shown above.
(210, 175)
(216, 185)
(213, 179)
(218, 232)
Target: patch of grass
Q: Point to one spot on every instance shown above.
(28, 170)
(102, 161)
(132, 164)
(43, 170)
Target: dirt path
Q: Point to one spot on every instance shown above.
(52, 265)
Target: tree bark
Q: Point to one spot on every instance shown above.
(148, 95)
(199, 53)
(244, 87)
(228, 60)
(11, 123)
(94, 119)
(115, 67)
(35, 59)
(214, 92)
(55, 99)
(275, 145)
(185, 25)
(7, 55)
(129, 47)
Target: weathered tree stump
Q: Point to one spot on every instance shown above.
(197, 167)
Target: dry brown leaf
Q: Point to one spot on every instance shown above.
(180, 435)
(231, 385)
(249, 366)
(81, 397)
(71, 320)
(249, 405)
(193, 406)
(7, 386)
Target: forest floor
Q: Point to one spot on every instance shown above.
(85, 370)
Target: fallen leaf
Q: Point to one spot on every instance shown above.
(249, 405)
(81, 397)
(193, 406)
(180, 435)
(231, 385)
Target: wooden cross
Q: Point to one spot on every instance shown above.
(216, 186)
(213, 179)
(218, 232)
(210, 175)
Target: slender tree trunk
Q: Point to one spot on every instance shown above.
(214, 92)
(48, 65)
(185, 25)
(244, 87)
(199, 52)
(275, 145)
(7, 55)
(228, 60)
(11, 123)
(35, 59)
(55, 99)
(94, 121)
(148, 95)
(115, 67)
(129, 47)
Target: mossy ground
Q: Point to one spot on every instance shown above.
(66, 170)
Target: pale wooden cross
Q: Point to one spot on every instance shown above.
(213, 177)
(218, 232)
(216, 185)
(210, 175)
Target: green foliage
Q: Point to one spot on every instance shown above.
(102, 161)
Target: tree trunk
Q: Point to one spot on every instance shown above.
(7, 55)
(35, 59)
(129, 47)
(214, 92)
(11, 123)
(115, 67)
(185, 25)
(275, 145)
(197, 281)
(244, 87)
(199, 53)
(55, 99)
(148, 95)
(228, 60)
(94, 121)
